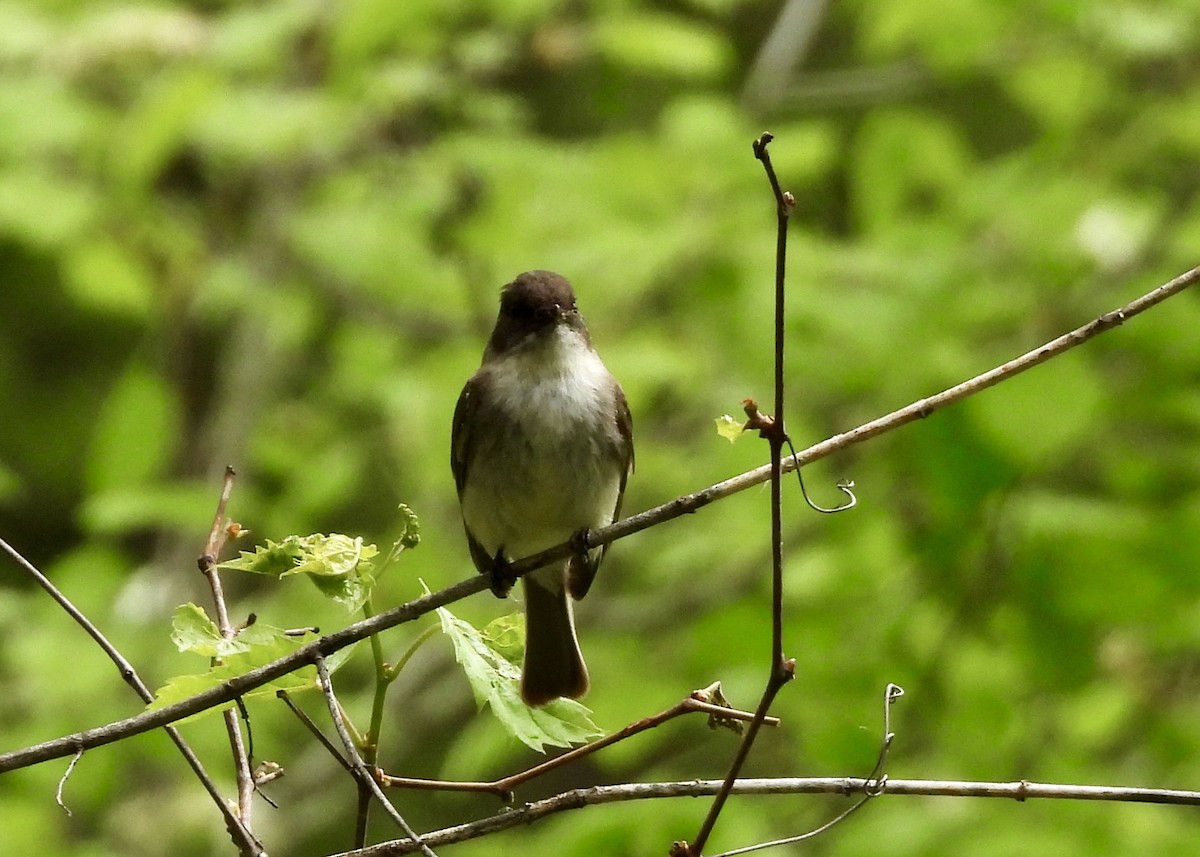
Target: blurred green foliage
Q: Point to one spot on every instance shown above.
(270, 234)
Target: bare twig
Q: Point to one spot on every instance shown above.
(811, 834)
(780, 670)
(314, 729)
(503, 788)
(357, 767)
(62, 782)
(687, 504)
(1021, 790)
(242, 837)
(208, 565)
(873, 786)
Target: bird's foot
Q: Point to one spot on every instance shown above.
(500, 578)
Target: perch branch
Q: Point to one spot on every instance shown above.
(235, 687)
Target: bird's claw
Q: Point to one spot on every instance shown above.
(501, 579)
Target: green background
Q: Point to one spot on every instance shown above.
(271, 235)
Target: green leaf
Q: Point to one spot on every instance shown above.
(334, 555)
(193, 631)
(495, 682)
(276, 558)
(729, 428)
(136, 431)
(349, 590)
(339, 566)
(506, 636)
(261, 645)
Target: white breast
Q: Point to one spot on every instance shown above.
(547, 470)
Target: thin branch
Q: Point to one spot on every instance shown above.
(242, 837)
(314, 729)
(919, 409)
(690, 503)
(358, 768)
(873, 786)
(208, 566)
(811, 834)
(697, 701)
(780, 670)
(1021, 790)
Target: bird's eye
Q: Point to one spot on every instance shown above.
(519, 311)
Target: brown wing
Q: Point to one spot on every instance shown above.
(582, 571)
(625, 430)
(462, 450)
(461, 447)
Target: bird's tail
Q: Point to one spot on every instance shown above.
(553, 663)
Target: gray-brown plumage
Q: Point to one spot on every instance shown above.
(541, 448)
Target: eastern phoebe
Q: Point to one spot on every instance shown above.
(541, 447)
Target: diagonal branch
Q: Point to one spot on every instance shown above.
(357, 766)
(227, 692)
(696, 701)
(241, 835)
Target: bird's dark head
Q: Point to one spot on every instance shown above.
(533, 305)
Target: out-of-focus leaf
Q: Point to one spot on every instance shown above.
(135, 432)
(904, 163)
(1020, 421)
(176, 506)
(104, 275)
(660, 44)
(157, 127)
(44, 209)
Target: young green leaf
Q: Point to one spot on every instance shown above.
(193, 631)
(495, 682)
(729, 428)
(261, 644)
(275, 558)
(410, 536)
(332, 555)
(340, 566)
(506, 635)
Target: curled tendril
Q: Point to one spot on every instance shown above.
(876, 783)
(845, 486)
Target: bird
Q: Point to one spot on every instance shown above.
(541, 450)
